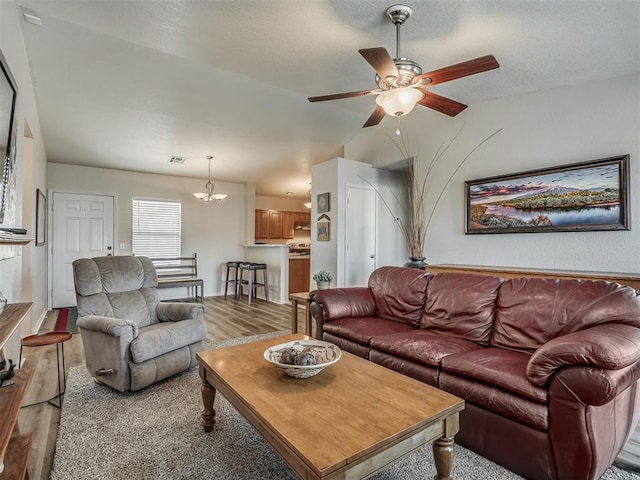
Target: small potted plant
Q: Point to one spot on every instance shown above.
(322, 279)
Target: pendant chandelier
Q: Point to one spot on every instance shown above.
(208, 196)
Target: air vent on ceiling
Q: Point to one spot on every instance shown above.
(179, 160)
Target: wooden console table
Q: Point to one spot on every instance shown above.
(14, 446)
(630, 279)
(300, 298)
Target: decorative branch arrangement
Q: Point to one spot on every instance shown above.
(415, 231)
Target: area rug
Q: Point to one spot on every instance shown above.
(156, 434)
(67, 320)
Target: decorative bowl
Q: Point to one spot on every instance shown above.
(322, 353)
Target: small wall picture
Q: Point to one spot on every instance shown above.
(324, 202)
(324, 231)
(41, 218)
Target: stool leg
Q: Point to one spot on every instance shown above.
(226, 283)
(239, 277)
(251, 287)
(266, 285)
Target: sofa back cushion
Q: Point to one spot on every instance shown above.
(399, 293)
(532, 311)
(462, 305)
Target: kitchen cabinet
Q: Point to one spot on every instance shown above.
(299, 273)
(269, 224)
(288, 221)
(303, 217)
(262, 224)
(275, 224)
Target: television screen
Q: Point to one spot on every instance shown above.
(7, 140)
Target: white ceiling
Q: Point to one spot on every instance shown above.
(128, 84)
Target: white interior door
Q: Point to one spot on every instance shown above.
(82, 227)
(360, 233)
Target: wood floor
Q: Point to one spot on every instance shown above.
(226, 318)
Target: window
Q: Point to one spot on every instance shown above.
(156, 228)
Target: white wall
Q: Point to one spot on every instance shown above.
(214, 230)
(541, 129)
(334, 176)
(286, 204)
(11, 270)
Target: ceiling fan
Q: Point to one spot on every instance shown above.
(401, 83)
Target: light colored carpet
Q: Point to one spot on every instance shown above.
(156, 434)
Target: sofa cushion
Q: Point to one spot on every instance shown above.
(532, 311)
(462, 305)
(422, 346)
(161, 338)
(496, 400)
(504, 369)
(399, 293)
(362, 329)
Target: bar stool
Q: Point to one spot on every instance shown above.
(252, 280)
(235, 280)
(56, 338)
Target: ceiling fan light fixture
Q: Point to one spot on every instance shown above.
(209, 196)
(399, 101)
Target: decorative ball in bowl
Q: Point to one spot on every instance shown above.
(303, 358)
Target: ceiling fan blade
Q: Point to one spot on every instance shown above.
(375, 118)
(338, 96)
(441, 104)
(459, 70)
(381, 62)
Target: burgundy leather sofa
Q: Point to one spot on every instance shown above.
(548, 368)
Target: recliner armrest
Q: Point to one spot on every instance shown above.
(610, 346)
(176, 311)
(111, 326)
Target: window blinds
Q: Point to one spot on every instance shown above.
(156, 229)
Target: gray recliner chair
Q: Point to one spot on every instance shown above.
(130, 339)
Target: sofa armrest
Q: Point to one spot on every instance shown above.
(338, 303)
(335, 303)
(115, 327)
(176, 311)
(590, 385)
(611, 346)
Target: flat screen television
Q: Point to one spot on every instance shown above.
(8, 91)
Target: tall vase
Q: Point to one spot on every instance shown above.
(416, 262)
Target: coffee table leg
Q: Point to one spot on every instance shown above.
(443, 456)
(208, 397)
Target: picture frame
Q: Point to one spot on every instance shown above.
(324, 202)
(585, 196)
(324, 231)
(41, 218)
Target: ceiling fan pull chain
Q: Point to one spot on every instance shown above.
(398, 129)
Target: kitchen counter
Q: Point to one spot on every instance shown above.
(277, 259)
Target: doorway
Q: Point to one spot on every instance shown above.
(360, 236)
(81, 227)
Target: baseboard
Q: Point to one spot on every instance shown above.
(36, 328)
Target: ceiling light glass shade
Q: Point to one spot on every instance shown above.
(307, 204)
(399, 101)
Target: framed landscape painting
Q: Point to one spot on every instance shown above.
(582, 196)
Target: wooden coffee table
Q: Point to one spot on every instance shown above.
(349, 421)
